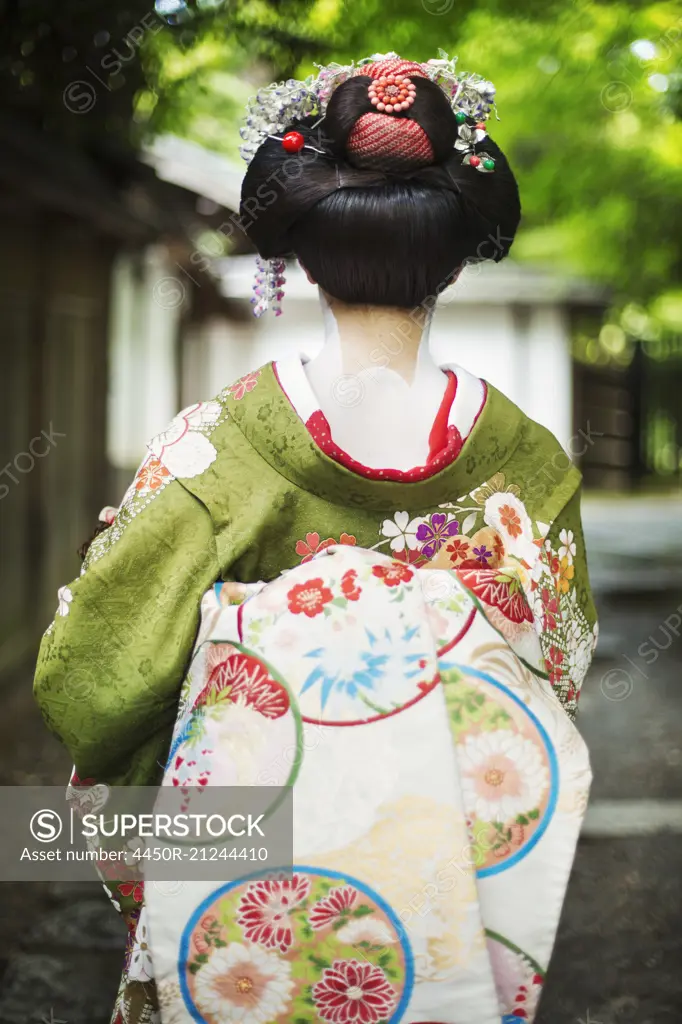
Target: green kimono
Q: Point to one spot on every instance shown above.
(238, 489)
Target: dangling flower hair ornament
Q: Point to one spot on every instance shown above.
(276, 106)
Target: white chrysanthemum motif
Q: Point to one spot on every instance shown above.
(402, 531)
(507, 514)
(243, 983)
(183, 449)
(65, 598)
(567, 547)
(141, 964)
(503, 774)
(366, 929)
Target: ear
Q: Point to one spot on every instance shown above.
(307, 273)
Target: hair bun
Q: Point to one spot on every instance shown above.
(422, 134)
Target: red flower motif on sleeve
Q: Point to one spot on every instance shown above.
(76, 781)
(151, 475)
(552, 610)
(108, 869)
(458, 550)
(349, 586)
(553, 665)
(134, 889)
(309, 598)
(394, 574)
(312, 545)
(244, 385)
(409, 557)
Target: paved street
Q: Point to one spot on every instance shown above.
(619, 948)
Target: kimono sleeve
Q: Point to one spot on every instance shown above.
(564, 608)
(111, 664)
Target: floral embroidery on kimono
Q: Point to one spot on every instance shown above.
(243, 386)
(184, 448)
(374, 924)
(236, 491)
(504, 559)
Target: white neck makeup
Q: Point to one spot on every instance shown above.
(376, 383)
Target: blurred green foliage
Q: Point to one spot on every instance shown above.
(589, 100)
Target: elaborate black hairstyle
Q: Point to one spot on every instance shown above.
(383, 233)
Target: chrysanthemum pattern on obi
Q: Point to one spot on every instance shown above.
(439, 789)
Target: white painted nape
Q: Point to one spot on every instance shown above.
(506, 323)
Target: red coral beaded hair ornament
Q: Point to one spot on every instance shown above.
(392, 93)
(385, 137)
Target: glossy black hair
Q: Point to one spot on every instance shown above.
(379, 235)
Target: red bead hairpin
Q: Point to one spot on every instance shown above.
(392, 94)
(294, 142)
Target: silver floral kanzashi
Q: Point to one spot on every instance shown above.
(468, 137)
(268, 288)
(276, 106)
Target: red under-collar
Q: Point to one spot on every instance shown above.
(445, 443)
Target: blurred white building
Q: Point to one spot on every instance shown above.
(503, 322)
(507, 323)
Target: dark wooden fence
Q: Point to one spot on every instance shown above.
(635, 419)
(53, 304)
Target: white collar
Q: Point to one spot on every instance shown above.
(469, 398)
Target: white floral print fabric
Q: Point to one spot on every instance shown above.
(434, 798)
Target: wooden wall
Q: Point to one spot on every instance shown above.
(54, 292)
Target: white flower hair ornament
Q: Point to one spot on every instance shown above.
(281, 104)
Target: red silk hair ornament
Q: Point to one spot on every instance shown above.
(390, 142)
(380, 139)
(392, 66)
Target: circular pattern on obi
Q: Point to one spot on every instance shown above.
(508, 768)
(367, 678)
(243, 727)
(312, 945)
(347, 661)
